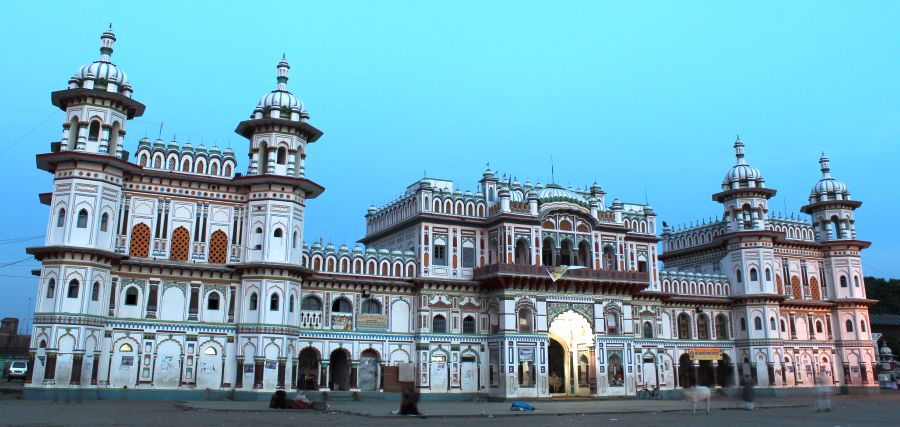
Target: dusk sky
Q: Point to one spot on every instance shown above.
(644, 97)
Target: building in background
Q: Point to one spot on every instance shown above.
(175, 272)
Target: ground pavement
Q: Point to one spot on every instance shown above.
(875, 410)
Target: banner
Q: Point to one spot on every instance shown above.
(705, 353)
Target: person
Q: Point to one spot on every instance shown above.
(300, 401)
(823, 395)
(409, 402)
(748, 394)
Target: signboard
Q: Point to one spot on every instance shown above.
(705, 353)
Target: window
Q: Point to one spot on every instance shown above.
(104, 222)
(311, 303)
(440, 251)
(95, 292)
(341, 305)
(469, 325)
(210, 351)
(82, 219)
(254, 301)
(849, 325)
(757, 323)
(73, 289)
(94, 131)
(468, 256)
(371, 306)
(125, 348)
(278, 233)
(612, 323)
(51, 288)
(843, 281)
(754, 276)
(61, 218)
(648, 330)
(772, 324)
(212, 301)
(439, 324)
(768, 275)
(737, 276)
(274, 302)
(526, 322)
(131, 296)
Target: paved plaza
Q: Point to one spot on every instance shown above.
(874, 410)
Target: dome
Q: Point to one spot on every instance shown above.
(102, 74)
(828, 188)
(742, 174)
(555, 193)
(281, 100)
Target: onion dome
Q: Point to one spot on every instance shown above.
(742, 175)
(102, 74)
(281, 100)
(828, 188)
(144, 142)
(555, 193)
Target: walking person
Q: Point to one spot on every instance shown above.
(748, 393)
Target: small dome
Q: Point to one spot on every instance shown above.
(555, 193)
(102, 74)
(281, 99)
(741, 175)
(828, 188)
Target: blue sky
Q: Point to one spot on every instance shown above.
(643, 97)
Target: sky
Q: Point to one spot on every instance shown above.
(643, 97)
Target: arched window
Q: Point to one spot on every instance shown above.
(82, 219)
(757, 323)
(51, 288)
(94, 131)
(282, 156)
(254, 301)
(439, 324)
(754, 276)
(73, 289)
(843, 281)
(849, 325)
(768, 275)
(721, 327)
(526, 320)
(212, 301)
(274, 302)
(95, 292)
(61, 217)
(648, 330)
(469, 325)
(612, 323)
(371, 306)
(684, 326)
(104, 222)
(131, 296)
(311, 303)
(341, 305)
(737, 276)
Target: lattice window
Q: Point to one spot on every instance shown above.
(218, 247)
(181, 241)
(795, 287)
(140, 241)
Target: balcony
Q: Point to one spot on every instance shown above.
(582, 274)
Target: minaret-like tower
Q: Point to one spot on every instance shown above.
(749, 263)
(832, 211)
(88, 167)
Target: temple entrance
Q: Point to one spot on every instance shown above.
(570, 356)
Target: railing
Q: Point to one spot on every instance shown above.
(310, 319)
(581, 273)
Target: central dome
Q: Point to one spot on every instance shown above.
(281, 103)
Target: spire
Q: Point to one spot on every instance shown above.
(283, 68)
(826, 167)
(107, 40)
(739, 150)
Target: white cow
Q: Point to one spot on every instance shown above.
(696, 394)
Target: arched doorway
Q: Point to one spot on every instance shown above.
(685, 371)
(571, 355)
(339, 369)
(369, 370)
(308, 365)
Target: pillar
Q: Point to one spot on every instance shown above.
(77, 361)
(258, 373)
(95, 367)
(50, 368)
(239, 373)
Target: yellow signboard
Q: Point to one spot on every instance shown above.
(705, 353)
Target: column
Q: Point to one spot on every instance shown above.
(258, 373)
(239, 374)
(77, 361)
(281, 366)
(95, 367)
(50, 368)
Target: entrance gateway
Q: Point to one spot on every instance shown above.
(570, 356)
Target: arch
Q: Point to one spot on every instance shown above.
(140, 241)
(218, 247)
(181, 244)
